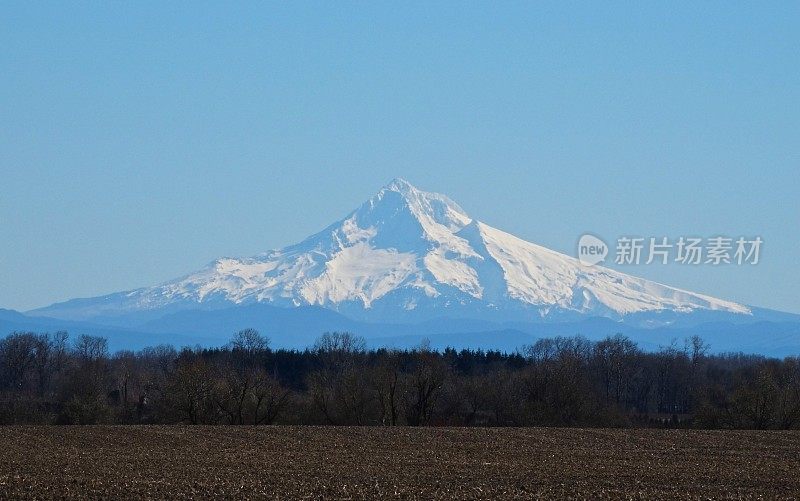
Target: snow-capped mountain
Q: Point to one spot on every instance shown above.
(406, 254)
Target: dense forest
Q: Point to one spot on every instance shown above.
(50, 378)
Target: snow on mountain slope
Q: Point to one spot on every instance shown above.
(537, 275)
(409, 254)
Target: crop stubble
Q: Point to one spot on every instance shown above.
(370, 462)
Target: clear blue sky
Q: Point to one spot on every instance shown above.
(139, 141)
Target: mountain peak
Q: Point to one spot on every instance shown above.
(400, 185)
(411, 254)
(426, 208)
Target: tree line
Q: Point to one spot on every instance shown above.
(563, 381)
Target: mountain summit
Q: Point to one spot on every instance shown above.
(408, 254)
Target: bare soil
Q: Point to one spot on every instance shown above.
(369, 463)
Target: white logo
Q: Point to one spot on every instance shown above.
(717, 251)
(591, 250)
